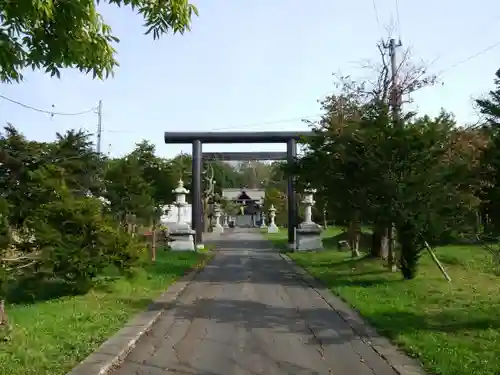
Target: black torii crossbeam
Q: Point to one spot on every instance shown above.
(243, 156)
(198, 138)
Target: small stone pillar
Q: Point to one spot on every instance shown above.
(308, 232)
(181, 234)
(226, 221)
(272, 228)
(262, 218)
(217, 228)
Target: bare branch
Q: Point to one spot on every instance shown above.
(22, 266)
(18, 259)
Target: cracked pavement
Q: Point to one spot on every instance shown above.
(248, 313)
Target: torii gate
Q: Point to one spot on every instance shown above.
(198, 138)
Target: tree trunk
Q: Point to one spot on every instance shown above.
(380, 241)
(3, 315)
(391, 256)
(4, 323)
(153, 242)
(354, 235)
(206, 222)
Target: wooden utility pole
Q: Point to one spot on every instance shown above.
(99, 126)
(395, 104)
(395, 91)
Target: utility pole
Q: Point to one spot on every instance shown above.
(395, 91)
(99, 126)
(395, 103)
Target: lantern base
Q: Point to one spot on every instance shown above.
(182, 240)
(309, 238)
(218, 229)
(273, 228)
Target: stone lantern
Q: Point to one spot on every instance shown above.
(180, 201)
(272, 228)
(181, 234)
(218, 228)
(308, 203)
(308, 232)
(263, 219)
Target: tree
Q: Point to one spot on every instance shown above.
(180, 167)
(410, 173)
(490, 159)
(345, 108)
(77, 242)
(423, 187)
(74, 153)
(255, 174)
(57, 34)
(490, 106)
(19, 158)
(279, 200)
(339, 151)
(226, 176)
(126, 189)
(156, 172)
(51, 229)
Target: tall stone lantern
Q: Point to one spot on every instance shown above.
(181, 234)
(308, 233)
(217, 228)
(308, 203)
(272, 228)
(180, 201)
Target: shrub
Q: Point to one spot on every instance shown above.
(77, 242)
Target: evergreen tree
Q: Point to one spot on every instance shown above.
(490, 161)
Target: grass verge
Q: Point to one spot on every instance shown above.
(50, 338)
(452, 328)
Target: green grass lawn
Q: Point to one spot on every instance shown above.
(50, 338)
(452, 328)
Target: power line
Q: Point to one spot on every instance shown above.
(375, 10)
(487, 49)
(398, 18)
(52, 113)
(475, 36)
(259, 124)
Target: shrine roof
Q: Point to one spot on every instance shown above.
(254, 194)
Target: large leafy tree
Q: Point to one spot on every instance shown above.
(57, 34)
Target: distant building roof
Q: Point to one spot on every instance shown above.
(254, 194)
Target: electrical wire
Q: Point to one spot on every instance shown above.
(474, 36)
(375, 10)
(255, 125)
(52, 113)
(398, 18)
(473, 56)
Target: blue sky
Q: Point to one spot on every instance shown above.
(258, 65)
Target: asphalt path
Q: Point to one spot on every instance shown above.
(248, 313)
